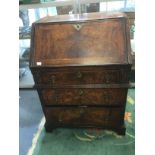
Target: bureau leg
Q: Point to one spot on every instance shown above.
(48, 128)
(120, 131)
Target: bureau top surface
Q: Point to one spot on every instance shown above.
(81, 17)
(79, 40)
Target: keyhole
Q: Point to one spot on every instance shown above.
(77, 27)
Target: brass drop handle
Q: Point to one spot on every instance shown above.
(107, 78)
(53, 79)
(82, 109)
(81, 92)
(79, 75)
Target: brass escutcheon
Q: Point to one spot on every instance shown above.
(77, 26)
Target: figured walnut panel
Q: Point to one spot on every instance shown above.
(94, 42)
(107, 96)
(81, 76)
(84, 116)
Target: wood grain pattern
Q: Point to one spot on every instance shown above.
(80, 75)
(84, 46)
(108, 96)
(81, 66)
(84, 116)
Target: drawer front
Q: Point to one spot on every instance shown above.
(87, 116)
(77, 77)
(107, 96)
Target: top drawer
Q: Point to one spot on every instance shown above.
(79, 77)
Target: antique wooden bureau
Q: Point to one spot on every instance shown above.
(81, 65)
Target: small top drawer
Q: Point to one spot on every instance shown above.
(77, 77)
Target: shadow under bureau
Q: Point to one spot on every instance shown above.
(81, 65)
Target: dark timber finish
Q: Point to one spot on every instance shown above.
(81, 66)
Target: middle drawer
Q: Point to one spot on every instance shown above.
(84, 96)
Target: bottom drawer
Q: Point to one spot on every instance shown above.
(84, 116)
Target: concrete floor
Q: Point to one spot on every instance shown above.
(26, 81)
(30, 115)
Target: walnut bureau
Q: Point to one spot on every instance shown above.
(81, 65)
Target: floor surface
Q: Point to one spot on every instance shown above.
(30, 114)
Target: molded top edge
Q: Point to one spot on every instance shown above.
(81, 17)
